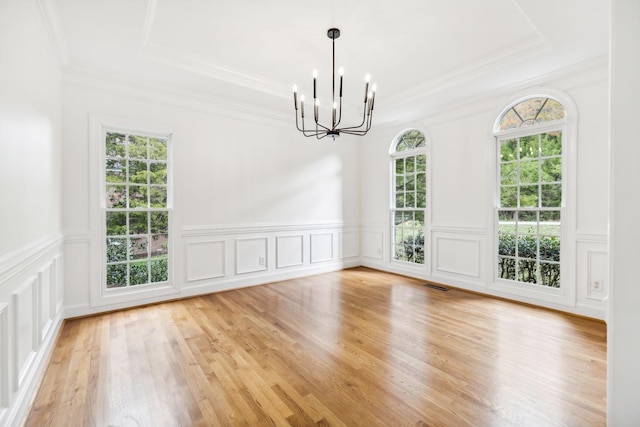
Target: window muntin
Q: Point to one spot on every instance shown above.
(136, 209)
(530, 112)
(530, 208)
(409, 197)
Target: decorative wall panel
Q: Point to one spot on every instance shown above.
(251, 255)
(205, 260)
(25, 337)
(349, 244)
(457, 255)
(4, 356)
(372, 244)
(289, 251)
(321, 247)
(45, 301)
(598, 274)
(58, 284)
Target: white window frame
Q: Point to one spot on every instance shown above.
(393, 156)
(566, 294)
(100, 295)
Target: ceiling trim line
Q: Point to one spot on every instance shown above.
(96, 79)
(201, 66)
(149, 22)
(53, 28)
(484, 66)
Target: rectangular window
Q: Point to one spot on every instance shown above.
(529, 212)
(136, 209)
(410, 201)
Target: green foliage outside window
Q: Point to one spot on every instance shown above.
(530, 203)
(409, 198)
(137, 216)
(521, 260)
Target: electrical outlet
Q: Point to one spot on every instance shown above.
(596, 285)
(261, 260)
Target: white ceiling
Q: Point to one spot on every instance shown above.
(421, 53)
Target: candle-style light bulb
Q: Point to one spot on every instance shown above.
(341, 71)
(302, 106)
(373, 98)
(295, 97)
(315, 76)
(335, 107)
(366, 86)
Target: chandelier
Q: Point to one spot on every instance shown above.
(318, 129)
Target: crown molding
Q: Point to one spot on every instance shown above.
(205, 67)
(77, 75)
(570, 78)
(197, 64)
(444, 81)
(149, 21)
(53, 29)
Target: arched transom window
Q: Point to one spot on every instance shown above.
(531, 112)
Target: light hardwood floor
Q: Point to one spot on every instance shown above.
(351, 348)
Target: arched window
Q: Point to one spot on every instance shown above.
(530, 152)
(409, 196)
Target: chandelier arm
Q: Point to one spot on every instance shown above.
(339, 113)
(322, 126)
(305, 132)
(311, 133)
(364, 119)
(297, 125)
(356, 130)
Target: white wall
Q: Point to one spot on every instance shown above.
(235, 179)
(462, 167)
(31, 294)
(623, 324)
(29, 130)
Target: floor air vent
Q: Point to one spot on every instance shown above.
(440, 288)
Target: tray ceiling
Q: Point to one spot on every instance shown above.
(421, 53)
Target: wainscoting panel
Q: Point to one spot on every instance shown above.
(4, 358)
(458, 255)
(598, 275)
(205, 260)
(31, 313)
(321, 247)
(251, 255)
(25, 338)
(289, 251)
(45, 300)
(372, 244)
(58, 284)
(221, 257)
(592, 273)
(349, 244)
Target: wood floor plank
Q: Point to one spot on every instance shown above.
(352, 348)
